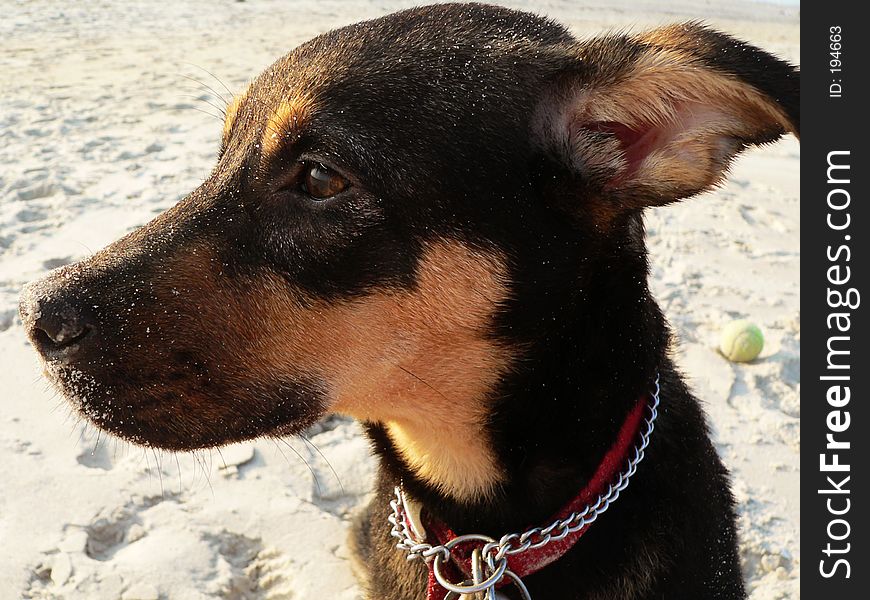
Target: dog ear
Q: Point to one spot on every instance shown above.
(647, 120)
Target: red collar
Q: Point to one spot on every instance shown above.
(534, 559)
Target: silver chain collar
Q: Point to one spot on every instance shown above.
(489, 563)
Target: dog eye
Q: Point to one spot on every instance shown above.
(321, 182)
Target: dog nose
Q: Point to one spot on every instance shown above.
(56, 327)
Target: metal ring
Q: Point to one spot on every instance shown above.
(519, 584)
(469, 537)
(456, 595)
(468, 589)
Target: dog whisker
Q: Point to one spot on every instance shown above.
(326, 460)
(83, 434)
(213, 76)
(199, 460)
(178, 468)
(223, 460)
(208, 87)
(310, 468)
(96, 444)
(218, 117)
(147, 464)
(202, 92)
(85, 246)
(196, 464)
(211, 104)
(60, 403)
(287, 460)
(423, 381)
(74, 427)
(159, 471)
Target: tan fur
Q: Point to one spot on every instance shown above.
(675, 36)
(662, 81)
(699, 115)
(287, 119)
(420, 361)
(232, 111)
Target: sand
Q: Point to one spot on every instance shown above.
(100, 130)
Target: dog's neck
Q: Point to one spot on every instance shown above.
(550, 426)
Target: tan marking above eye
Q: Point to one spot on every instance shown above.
(232, 111)
(288, 118)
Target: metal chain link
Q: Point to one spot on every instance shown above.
(494, 551)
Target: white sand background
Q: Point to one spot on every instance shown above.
(98, 133)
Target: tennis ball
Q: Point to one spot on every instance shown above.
(741, 341)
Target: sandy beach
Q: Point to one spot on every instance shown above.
(108, 116)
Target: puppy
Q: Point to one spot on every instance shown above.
(433, 222)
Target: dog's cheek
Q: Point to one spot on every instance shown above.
(427, 364)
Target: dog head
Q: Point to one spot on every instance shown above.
(399, 212)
